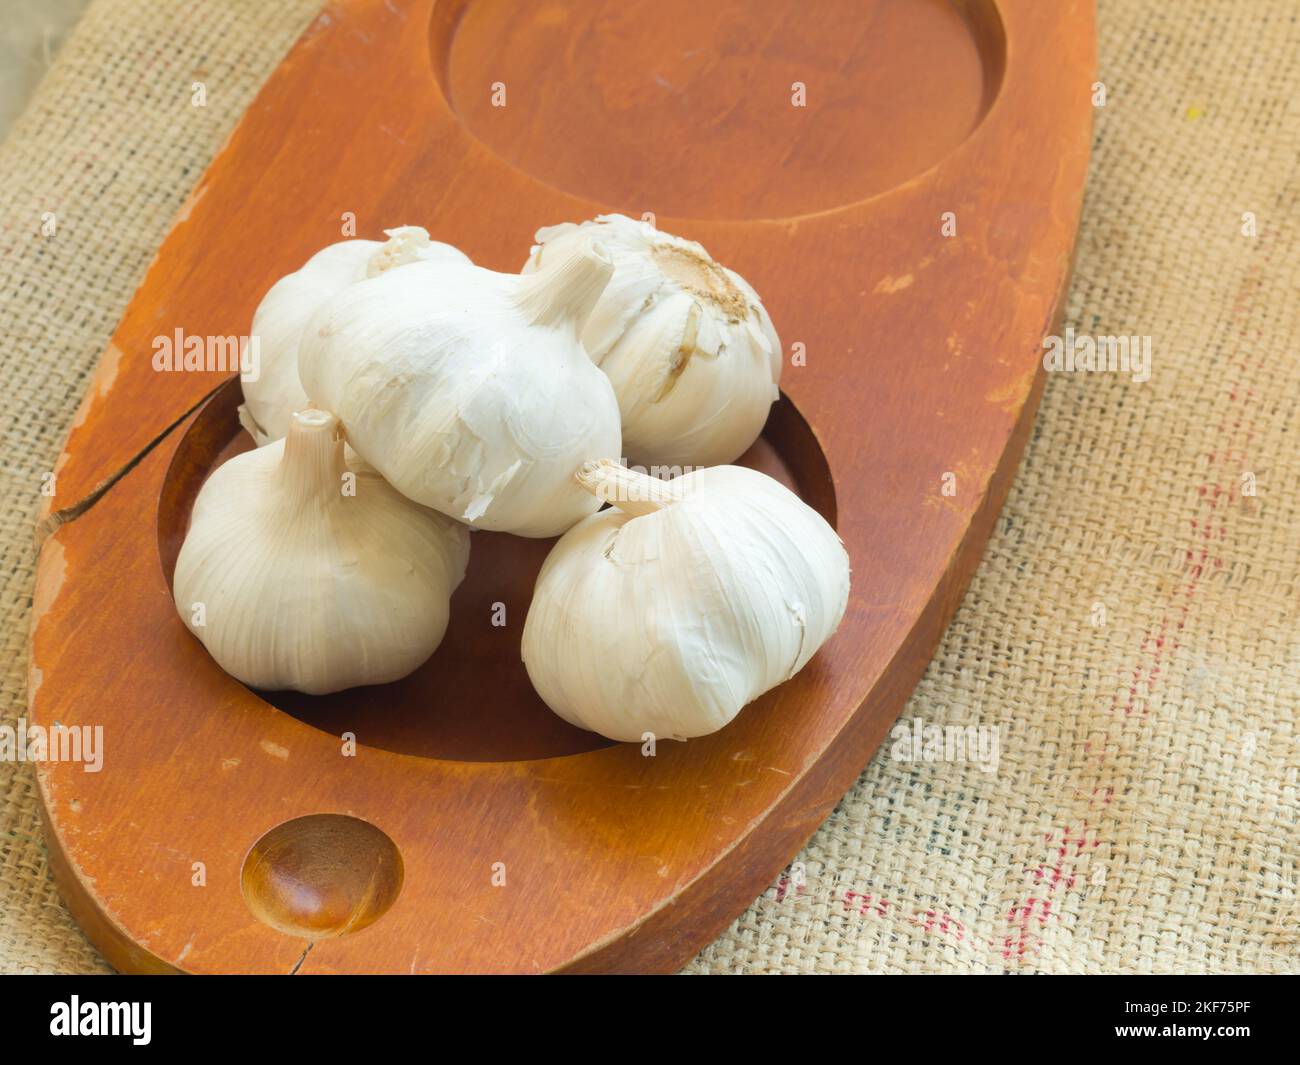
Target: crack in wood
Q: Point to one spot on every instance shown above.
(48, 525)
(301, 958)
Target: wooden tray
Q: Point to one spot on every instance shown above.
(228, 831)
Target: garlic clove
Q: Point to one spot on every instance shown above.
(686, 342)
(469, 390)
(298, 572)
(278, 322)
(683, 602)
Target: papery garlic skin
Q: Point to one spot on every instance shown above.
(469, 390)
(686, 600)
(304, 579)
(278, 322)
(687, 343)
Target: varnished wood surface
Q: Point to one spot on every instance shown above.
(923, 358)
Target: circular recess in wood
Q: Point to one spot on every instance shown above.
(322, 876)
(734, 109)
(472, 700)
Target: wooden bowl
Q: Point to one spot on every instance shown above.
(900, 179)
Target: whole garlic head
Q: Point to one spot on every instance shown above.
(686, 600)
(469, 390)
(687, 343)
(299, 573)
(278, 322)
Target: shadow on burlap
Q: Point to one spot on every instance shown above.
(1143, 815)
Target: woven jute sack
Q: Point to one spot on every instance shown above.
(1128, 651)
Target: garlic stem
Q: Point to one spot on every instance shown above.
(313, 465)
(405, 244)
(633, 493)
(567, 290)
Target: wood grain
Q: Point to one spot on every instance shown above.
(922, 359)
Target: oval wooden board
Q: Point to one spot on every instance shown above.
(922, 351)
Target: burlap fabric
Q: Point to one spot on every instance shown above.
(1131, 633)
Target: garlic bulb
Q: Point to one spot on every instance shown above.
(469, 390)
(271, 399)
(298, 573)
(686, 342)
(688, 599)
